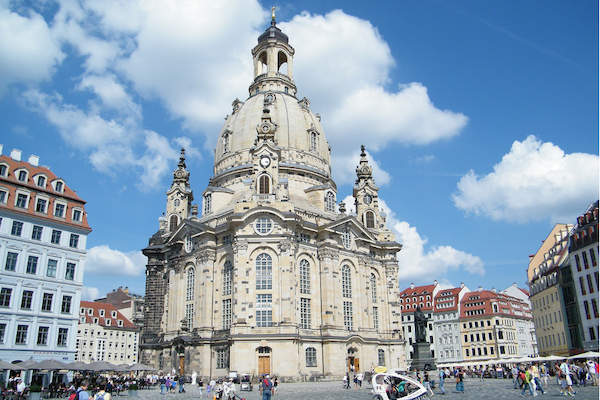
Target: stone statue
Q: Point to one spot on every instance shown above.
(420, 326)
(194, 377)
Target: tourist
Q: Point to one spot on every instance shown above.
(359, 378)
(567, 384)
(515, 375)
(442, 376)
(460, 386)
(163, 385)
(181, 382)
(102, 393)
(591, 369)
(21, 386)
(535, 371)
(427, 384)
(82, 393)
(275, 383)
(266, 387)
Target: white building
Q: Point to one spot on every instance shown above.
(446, 324)
(526, 337)
(583, 253)
(43, 231)
(104, 334)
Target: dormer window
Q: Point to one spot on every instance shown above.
(120, 322)
(90, 311)
(22, 176)
(41, 181)
(113, 314)
(102, 313)
(3, 169)
(82, 320)
(108, 321)
(77, 215)
(59, 210)
(59, 186)
(95, 320)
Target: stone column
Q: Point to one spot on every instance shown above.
(240, 286)
(205, 260)
(328, 259)
(287, 304)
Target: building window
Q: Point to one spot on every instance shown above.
(348, 315)
(582, 285)
(346, 282)
(330, 202)
(55, 236)
(577, 263)
(51, 270)
(47, 302)
(189, 293)
(3, 196)
(375, 319)
(77, 215)
(313, 141)
(5, 294)
(380, 357)
(227, 314)
(40, 205)
(61, 340)
(263, 272)
(304, 313)
(222, 358)
(173, 222)
(207, 203)
(11, 261)
(32, 265)
(370, 219)
(593, 257)
(347, 239)
(65, 307)
(595, 307)
(225, 143)
(373, 281)
(59, 210)
(2, 333)
(21, 337)
(3, 169)
(189, 316)
(58, 186)
(586, 305)
(70, 271)
(21, 200)
(74, 241)
(17, 228)
(264, 184)
(26, 300)
(304, 277)
(42, 336)
(227, 278)
(263, 225)
(311, 357)
(264, 313)
(36, 233)
(586, 265)
(41, 181)
(22, 176)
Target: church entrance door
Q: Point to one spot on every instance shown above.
(264, 365)
(181, 365)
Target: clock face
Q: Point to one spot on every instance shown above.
(265, 161)
(368, 199)
(265, 128)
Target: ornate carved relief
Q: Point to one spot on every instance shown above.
(205, 255)
(328, 254)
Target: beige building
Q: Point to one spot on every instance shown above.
(272, 277)
(104, 334)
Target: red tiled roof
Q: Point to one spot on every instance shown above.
(482, 300)
(11, 183)
(108, 309)
(444, 296)
(524, 291)
(411, 296)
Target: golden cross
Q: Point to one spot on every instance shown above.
(273, 13)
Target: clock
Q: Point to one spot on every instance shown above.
(265, 161)
(266, 128)
(367, 199)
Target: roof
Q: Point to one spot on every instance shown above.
(447, 300)
(417, 295)
(11, 182)
(487, 303)
(273, 32)
(524, 291)
(108, 308)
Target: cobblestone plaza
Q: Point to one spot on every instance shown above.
(474, 389)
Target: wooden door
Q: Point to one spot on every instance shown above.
(356, 365)
(181, 365)
(264, 365)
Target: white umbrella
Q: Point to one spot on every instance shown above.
(553, 358)
(589, 354)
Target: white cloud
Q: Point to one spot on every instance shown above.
(345, 165)
(111, 93)
(90, 293)
(28, 51)
(102, 260)
(533, 181)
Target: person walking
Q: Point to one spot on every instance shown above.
(102, 394)
(82, 393)
(460, 385)
(266, 387)
(427, 384)
(526, 377)
(442, 376)
(515, 375)
(359, 378)
(536, 378)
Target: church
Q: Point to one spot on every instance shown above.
(272, 276)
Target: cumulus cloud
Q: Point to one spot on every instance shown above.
(102, 260)
(535, 180)
(90, 293)
(28, 51)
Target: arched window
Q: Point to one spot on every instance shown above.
(347, 239)
(264, 184)
(3, 169)
(207, 203)
(22, 176)
(227, 278)
(262, 63)
(304, 277)
(173, 222)
(373, 288)
(313, 141)
(264, 278)
(346, 282)
(189, 293)
(329, 202)
(380, 357)
(225, 143)
(370, 219)
(311, 357)
(282, 63)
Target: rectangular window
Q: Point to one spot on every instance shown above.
(17, 228)
(2, 333)
(36, 233)
(59, 210)
(74, 241)
(586, 305)
(40, 205)
(264, 313)
(55, 236)
(42, 338)
(585, 260)
(21, 200)
(3, 196)
(376, 320)
(11, 261)
(502, 350)
(77, 215)
(26, 299)
(65, 307)
(348, 318)
(227, 314)
(41, 181)
(21, 337)
(222, 358)
(595, 307)
(582, 285)
(577, 263)
(47, 302)
(63, 334)
(466, 339)
(592, 333)
(51, 271)
(593, 257)
(70, 271)
(5, 294)
(32, 265)
(590, 284)
(305, 316)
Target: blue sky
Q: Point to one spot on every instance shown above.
(482, 117)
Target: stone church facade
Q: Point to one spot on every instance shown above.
(272, 277)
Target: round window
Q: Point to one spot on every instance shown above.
(263, 225)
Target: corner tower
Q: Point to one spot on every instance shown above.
(179, 196)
